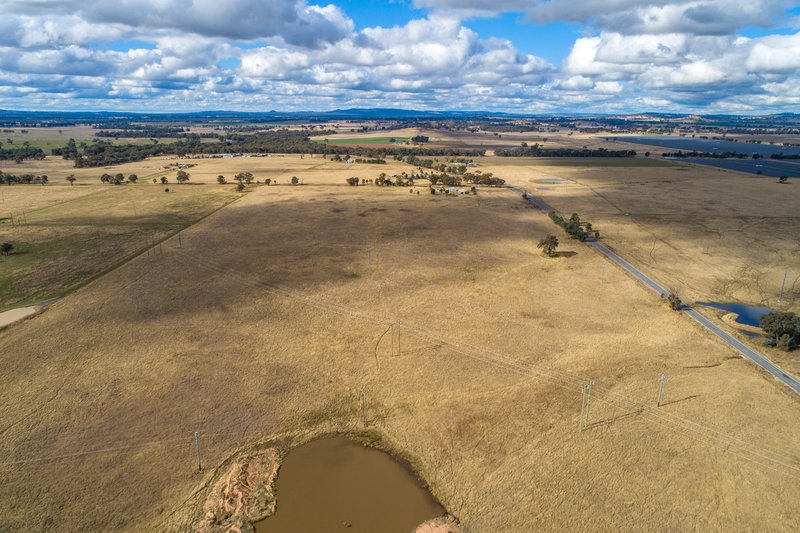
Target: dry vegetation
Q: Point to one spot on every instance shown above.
(714, 234)
(273, 316)
(64, 236)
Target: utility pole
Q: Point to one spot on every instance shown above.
(197, 447)
(661, 380)
(783, 284)
(364, 407)
(583, 406)
(587, 397)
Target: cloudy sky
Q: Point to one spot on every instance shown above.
(537, 56)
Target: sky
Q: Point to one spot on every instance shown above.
(523, 56)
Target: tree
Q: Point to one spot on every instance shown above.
(71, 179)
(353, 182)
(549, 245)
(105, 178)
(783, 179)
(268, 181)
(674, 301)
(221, 180)
(240, 187)
(5, 248)
(295, 181)
(182, 176)
(781, 329)
(164, 180)
(246, 177)
(133, 178)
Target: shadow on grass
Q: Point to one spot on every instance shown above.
(663, 404)
(611, 420)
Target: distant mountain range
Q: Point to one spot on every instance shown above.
(57, 117)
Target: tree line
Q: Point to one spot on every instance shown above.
(538, 151)
(575, 227)
(12, 179)
(18, 154)
(104, 153)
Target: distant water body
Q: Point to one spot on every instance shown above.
(707, 145)
(764, 166)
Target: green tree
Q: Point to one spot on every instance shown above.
(295, 181)
(71, 179)
(133, 178)
(783, 179)
(70, 151)
(781, 329)
(549, 245)
(674, 301)
(182, 176)
(164, 180)
(240, 187)
(6, 248)
(353, 181)
(246, 177)
(221, 179)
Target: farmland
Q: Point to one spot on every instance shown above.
(708, 233)
(292, 289)
(65, 235)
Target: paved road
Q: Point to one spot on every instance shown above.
(732, 341)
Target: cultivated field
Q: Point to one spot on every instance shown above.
(711, 234)
(273, 315)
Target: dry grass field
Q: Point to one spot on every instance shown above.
(49, 138)
(711, 234)
(66, 235)
(273, 315)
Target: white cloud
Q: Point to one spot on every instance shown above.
(777, 53)
(699, 17)
(285, 54)
(293, 21)
(427, 53)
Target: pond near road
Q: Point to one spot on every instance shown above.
(336, 484)
(749, 315)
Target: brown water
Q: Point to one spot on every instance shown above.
(329, 483)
